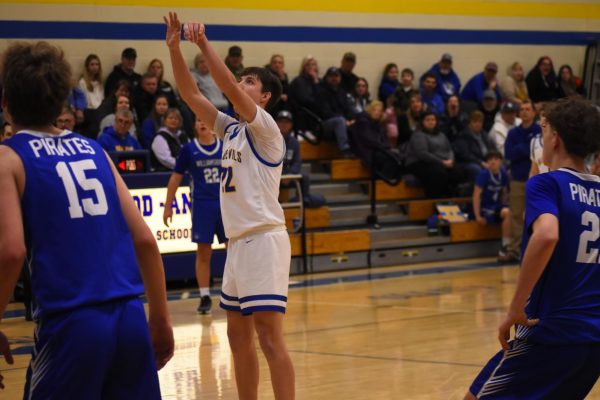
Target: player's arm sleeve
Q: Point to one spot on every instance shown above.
(266, 137)
(480, 181)
(182, 162)
(222, 124)
(541, 197)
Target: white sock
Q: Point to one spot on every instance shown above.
(505, 241)
(204, 291)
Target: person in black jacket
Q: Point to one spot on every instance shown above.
(472, 145)
(123, 71)
(335, 108)
(542, 82)
(303, 95)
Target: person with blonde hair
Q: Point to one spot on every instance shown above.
(157, 68)
(91, 83)
(513, 86)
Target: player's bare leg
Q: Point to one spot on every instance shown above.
(470, 396)
(269, 327)
(240, 331)
(505, 218)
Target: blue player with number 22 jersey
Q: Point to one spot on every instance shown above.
(88, 248)
(556, 305)
(201, 158)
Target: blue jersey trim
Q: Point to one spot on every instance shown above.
(263, 297)
(250, 310)
(10, 29)
(229, 308)
(262, 160)
(229, 298)
(235, 132)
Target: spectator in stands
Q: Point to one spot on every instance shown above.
(123, 71)
(389, 83)
(66, 120)
(489, 107)
(292, 160)
(429, 94)
(505, 121)
(349, 78)
(207, 84)
(489, 200)
(472, 145)
(569, 85)
(6, 131)
(90, 81)
(109, 120)
(431, 159)
(517, 152)
(335, 109)
(77, 104)
(594, 165)
(157, 68)
(448, 82)
(404, 91)
(168, 141)
(409, 122)
(144, 94)
(277, 67)
(360, 95)
(109, 103)
(480, 83)
(234, 61)
(303, 96)
(369, 133)
(513, 86)
(542, 83)
(117, 137)
(154, 121)
(454, 120)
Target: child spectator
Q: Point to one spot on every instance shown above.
(389, 82)
(489, 200)
(154, 121)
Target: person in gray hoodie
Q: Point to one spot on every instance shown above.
(430, 157)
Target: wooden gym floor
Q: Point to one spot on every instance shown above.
(411, 332)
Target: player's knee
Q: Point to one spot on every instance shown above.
(505, 213)
(239, 339)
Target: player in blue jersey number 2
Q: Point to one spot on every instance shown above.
(88, 248)
(556, 305)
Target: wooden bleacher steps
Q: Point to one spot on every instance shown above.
(332, 242)
(315, 217)
(472, 231)
(348, 169)
(322, 151)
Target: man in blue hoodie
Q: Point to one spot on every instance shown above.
(480, 83)
(516, 151)
(117, 137)
(448, 82)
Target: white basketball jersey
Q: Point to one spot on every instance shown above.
(250, 174)
(536, 150)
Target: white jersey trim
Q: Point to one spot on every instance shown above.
(583, 177)
(39, 134)
(204, 151)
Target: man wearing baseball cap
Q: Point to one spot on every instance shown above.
(473, 90)
(123, 71)
(448, 82)
(234, 61)
(349, 78)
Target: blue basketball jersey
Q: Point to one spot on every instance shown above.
(566, 298)
(491, 185)
(203, 163)
(80, 248)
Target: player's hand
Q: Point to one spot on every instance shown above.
(173, 29)
(161, 335)
(5, 350)
(481, 220)
(167, 215)
(194, 32)
(513, 317)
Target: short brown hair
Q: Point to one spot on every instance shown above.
(37, 82)
(577, 122)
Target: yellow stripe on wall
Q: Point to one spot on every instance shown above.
(481, 8)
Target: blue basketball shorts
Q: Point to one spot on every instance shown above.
(94, 352)
(492, 215)
(207, 221)
(539, 371)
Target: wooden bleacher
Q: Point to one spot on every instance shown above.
(322, 151)
(315, 217)
(472, 231)
(420, 210)
(348, 169)
(332, 242)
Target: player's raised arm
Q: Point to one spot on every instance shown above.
(188, 90)
(153, 274)
(243, 104)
